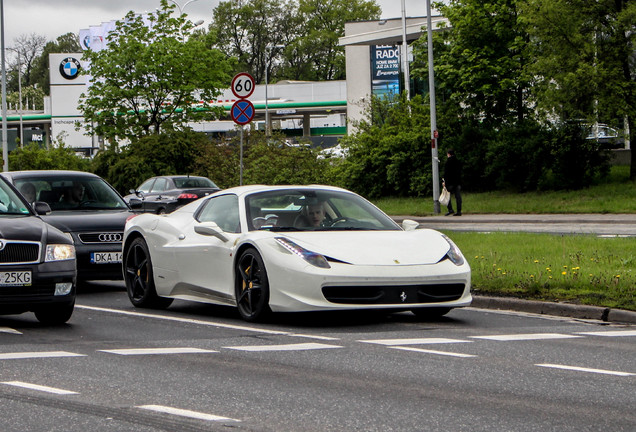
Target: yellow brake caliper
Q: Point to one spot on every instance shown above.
(247, 270)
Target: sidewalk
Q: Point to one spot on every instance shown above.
(599, 224)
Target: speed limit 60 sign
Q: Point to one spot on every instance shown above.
(243, 85)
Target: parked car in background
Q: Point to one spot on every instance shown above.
(164, 194)
(88, 209)
(291, 249)
(37, 262)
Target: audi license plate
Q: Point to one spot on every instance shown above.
(106, 257)
(15, 278)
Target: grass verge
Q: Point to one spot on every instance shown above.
(571, 268)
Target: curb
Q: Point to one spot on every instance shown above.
(555, 309)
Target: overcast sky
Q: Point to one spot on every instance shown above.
(53, 18)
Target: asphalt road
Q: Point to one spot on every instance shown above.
(198, 367)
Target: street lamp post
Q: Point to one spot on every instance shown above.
(267, 52)
(431, 91)
(5, 148)
(181, 8)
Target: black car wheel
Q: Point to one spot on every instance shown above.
(252, 287)
(138, 276)
(55, 314)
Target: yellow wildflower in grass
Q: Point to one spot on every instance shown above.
(564, 273)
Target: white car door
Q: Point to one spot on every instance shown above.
(205, 262)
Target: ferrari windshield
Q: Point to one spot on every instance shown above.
(10, 203)
(71, 192)
(313, 210)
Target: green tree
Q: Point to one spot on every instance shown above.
(585, 60)
(152, 77)
(66, 43)
(482, 67)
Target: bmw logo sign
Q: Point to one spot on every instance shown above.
(87, 41)
(69, 68)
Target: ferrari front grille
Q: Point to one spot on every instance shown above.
(394, 295)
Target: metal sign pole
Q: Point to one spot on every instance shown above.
(241, 160)
(431, 90)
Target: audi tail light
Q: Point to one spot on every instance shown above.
(188, 196)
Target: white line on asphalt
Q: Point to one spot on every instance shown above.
(147, 351)
(611, 333)
(413, 341)
(36, 354)
(582, 369)
(444, 353)
(186, 413)
(39, 387)
(523, 337)
(200, 322)
(287, 347)
(9, 330)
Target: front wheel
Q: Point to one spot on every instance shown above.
(252, 287)
(55, 314)
(140, 284)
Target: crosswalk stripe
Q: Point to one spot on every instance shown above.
(150, 351)
(582, 369)
(185, 413)
(413, 341)
(444, 353)
(614, 333)
(39, 387)
(286, 347)
(530, 336)
(36, 354)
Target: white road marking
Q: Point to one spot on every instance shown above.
(185, 413)
(9, 330)
(38, 354)
(444, 353)
(39, 387)
(199, 322)
(611, 333)
(149, 351)
(529, 336)
(286, 347)
(582, 369)
(413, 341)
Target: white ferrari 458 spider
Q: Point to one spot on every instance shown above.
(291, 248)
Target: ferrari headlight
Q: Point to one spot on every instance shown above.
(312, 258)
(454, 254)
(59, 252)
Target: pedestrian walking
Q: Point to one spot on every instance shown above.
(452, 181)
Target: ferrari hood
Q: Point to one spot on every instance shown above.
(375, 247)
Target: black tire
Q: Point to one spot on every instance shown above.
(429, 313)
(140, 283)
(161, 210)
(252, 287)
(55, 314)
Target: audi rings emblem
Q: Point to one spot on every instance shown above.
(110, 237)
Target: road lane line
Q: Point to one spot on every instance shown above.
(525, 337)
(185, 320)
(444, 353)
(9, 330)
(614, 333)
(185, 413)
(286, 347)
(582, 369)
(39, 387)
(152, 351)
(413, 341)
(38, 354)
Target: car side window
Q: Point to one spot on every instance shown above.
(160, 185)
(145, 186)
(223, 210)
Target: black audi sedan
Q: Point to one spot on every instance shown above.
(165, 194)
(87, 209)
(37, 262)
